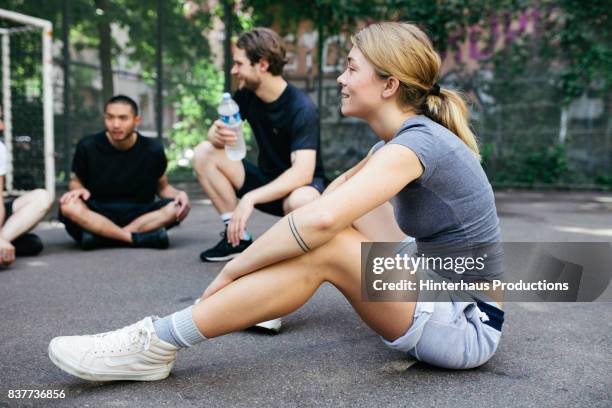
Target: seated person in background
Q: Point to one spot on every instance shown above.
(289, 171)
(116, 175)
(18, 216)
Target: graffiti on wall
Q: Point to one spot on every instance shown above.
(473, 44)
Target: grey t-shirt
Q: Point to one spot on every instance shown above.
(452, 201)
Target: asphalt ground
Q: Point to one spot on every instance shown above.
(551, 354)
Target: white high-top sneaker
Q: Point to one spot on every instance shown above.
(132, 353)
(272, 325)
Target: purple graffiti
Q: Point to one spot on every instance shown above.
(483, 39)
(509, 34)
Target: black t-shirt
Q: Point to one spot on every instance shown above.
(113, 175)
(289, 123)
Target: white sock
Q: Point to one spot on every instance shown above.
(226, 217)
(179, 329)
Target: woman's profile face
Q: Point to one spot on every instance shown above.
(361, 88)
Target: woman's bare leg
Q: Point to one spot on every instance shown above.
(249, 299)
(380, 225)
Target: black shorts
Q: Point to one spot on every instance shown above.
(119, 213)
(255, 178)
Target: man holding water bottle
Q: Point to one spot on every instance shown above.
(284, 120)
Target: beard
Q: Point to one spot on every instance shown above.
(251, 84)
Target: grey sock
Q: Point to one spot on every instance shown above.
(179, 329)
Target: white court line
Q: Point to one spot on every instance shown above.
(601, 232)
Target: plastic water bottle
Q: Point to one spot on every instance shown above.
(229, 113)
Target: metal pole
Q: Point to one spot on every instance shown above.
(7, 109)
(47, 67)
(227, 44)
(320, 69)
(67, 88)
(159, 108)
(23, 19)
(47, 60)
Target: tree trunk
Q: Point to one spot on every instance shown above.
(104, 49)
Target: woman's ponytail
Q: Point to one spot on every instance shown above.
(449, 109)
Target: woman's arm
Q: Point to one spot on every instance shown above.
(381, 177)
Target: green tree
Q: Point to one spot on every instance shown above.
(184, 42)
(528, 81)
(191, 81)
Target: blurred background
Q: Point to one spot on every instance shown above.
(538, 75)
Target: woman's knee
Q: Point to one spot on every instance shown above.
(340, 255)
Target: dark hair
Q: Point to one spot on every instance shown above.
(264, 43)
(122, 99)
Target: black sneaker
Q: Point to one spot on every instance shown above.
(224, 251)
(27, 244)
(157, 239)
(91, 241)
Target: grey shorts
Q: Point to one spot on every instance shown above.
(452, 334)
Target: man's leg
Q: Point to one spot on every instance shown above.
(300, 197)
(76, 211)
(28, 210)
(222, 179)
(153, 220)
(219, 176)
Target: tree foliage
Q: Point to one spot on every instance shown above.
(191, 81)
(528, 81)
(577, 38)
(568, 55)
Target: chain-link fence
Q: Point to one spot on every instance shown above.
(22, 100)
(528, 136)
(526, 140)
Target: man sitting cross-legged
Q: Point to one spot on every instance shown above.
(117, 174)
